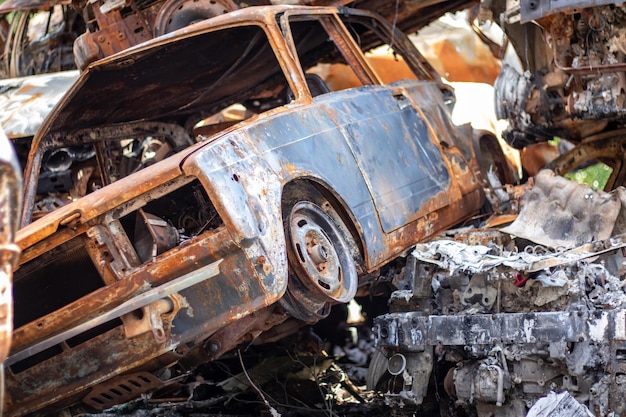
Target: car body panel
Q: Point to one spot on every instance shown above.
(10, 200)
(405, 170)
(25, 102)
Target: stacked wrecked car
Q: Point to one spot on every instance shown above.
(208, 189)
(281, 201)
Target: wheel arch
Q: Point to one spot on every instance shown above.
(488, 150)
(309, 187)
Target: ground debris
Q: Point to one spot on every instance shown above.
(275, 381)
(558, 405)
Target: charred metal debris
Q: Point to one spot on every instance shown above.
(487, 322)
(571, 81)
(481, 321)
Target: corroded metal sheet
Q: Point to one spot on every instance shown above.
(560, 213)
(25, 102)
(401, 135)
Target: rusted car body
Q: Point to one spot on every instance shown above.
(270, 217)
(37, 36)
(10, 200)
(114, 25)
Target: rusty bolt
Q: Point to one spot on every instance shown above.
(101, 38)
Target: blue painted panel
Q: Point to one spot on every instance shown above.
(295, 141)
(403, 168)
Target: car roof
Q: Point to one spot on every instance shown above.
(26, 101)
(175, 75)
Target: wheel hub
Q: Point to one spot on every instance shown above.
(321, 253)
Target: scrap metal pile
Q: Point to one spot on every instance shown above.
(525, 320)
(490, 321)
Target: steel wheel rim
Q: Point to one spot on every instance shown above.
(324, 264)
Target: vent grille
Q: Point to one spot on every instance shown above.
(121, 390)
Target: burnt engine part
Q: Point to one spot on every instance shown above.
(506, 320)
(503, 339)
(572, 83)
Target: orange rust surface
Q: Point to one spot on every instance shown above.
(94, 205)
(434, 222)
(25, 88)
(150, 275)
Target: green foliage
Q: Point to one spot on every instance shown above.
(595, 176)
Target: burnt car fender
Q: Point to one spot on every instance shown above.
(245, 173)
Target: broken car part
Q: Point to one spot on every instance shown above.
(572, 81)
(10, 201)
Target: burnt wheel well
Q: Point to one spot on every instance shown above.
(489, 154)
(308, 190)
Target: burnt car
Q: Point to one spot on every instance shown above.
(292, 199)
(37, 36)
(10, 200)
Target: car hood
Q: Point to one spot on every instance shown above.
(195, 69)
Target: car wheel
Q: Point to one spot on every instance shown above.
(322, 269)
(177, 14)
